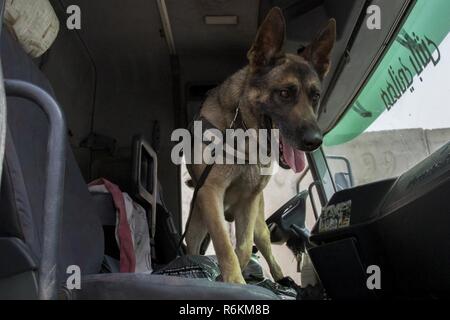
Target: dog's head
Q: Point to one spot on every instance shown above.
(287, 87)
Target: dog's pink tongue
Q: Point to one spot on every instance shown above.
(293, 157)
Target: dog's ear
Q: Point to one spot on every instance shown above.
(319, 51)
(269, 40)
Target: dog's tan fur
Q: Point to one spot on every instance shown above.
(234, 192)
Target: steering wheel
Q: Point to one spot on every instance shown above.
(287, 224)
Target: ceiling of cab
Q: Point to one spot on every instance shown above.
(127, 41)
(192, 36)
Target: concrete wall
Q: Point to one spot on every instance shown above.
(385, 154)
(373, 156)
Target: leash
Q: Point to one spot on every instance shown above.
(198, 185)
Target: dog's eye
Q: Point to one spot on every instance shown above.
(284, 93)
(316, 97)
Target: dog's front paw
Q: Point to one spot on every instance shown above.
(235, 277)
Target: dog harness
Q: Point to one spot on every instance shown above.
(207, 125)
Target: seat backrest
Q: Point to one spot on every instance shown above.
(23, 187)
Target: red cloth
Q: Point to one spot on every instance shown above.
(127, 256)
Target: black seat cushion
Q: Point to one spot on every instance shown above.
(123, 286)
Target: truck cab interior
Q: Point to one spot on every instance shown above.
(102, 102)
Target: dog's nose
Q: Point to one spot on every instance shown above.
(312, 139)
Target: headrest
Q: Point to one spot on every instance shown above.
(33, 23)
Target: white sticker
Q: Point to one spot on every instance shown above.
(335, 216)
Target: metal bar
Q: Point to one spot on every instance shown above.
(300, 179)
(311, 197)
(347, 164)
(54, 188)
(163, 13)
(2, 100)
(317, 176)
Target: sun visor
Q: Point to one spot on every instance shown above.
(33, 23)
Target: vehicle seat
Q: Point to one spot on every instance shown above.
(82, 236)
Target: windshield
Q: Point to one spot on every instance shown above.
(403, 112)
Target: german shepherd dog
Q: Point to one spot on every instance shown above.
(285, 88)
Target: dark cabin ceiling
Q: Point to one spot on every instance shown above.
(126, 42)
(193, 37)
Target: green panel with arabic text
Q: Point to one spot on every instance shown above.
(415, 46)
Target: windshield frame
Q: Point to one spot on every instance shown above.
(375, 64)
